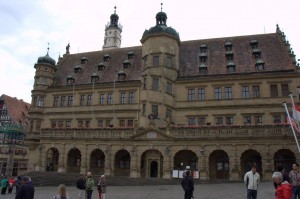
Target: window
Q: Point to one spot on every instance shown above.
(247, 119)
(53, 124)
(34, 101)
(219, 120)
(70, 100)
(87, 124)
(202, 60)
(145, 62)
(102, 98)
(203, 70)
(123, 98)
(255, 91)
(38, 125)
(130, 123)
(155, 61)
(144, 109)
(229, 120)
(155, 84)
(109, 98)
(218, 93)
(169, 88)
(41, 102)
(201, 94)
(245, 92)
(82, 100)
(169, 62)
(191, 121)
(60, 124)
(80, 123)
(100, 123)
(145, 83)
(68, 124)
(228, 93)
(191, 94)
(274, 90)
(285, 90)
(89, 100)
(276, 119)
(168, 113)
(55, 102)
(155, 110)
(131, 98)
(107, 123)
(122, 123)
(201, 121)
(258, 119)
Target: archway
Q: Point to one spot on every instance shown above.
(284, 158)
(97, 161)
(122, 163)
(249, 158)
(52, 157)
(185, 158)
(152, 164)
(74, 161)
(219, 165)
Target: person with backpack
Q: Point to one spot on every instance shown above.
(80, 184)
(89, 185)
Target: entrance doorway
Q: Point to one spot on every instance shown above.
(153, 169)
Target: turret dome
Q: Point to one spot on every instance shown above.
(46, 60)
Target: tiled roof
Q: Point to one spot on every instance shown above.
(273, 51)
(17, 109)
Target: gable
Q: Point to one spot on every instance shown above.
(152, 134)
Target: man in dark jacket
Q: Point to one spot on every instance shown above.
(187, 184)
(26, 190)
(80, 184)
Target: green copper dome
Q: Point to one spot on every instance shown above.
(46, 60)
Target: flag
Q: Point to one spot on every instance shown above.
(294, 124)
(296, 112)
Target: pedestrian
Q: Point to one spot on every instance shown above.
(4, 183)
(252, 179)
(18, 183)
(295, 181)
(187, 185)
(283, 189)
(80, 184)
(26, 190)
(11, 184)
(101, 186)
(61, 192)
(89, 185)
(285, 175)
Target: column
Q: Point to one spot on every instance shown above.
(108, 161)
(203, 168)
(61, 160)
(134, 173)
(167, 164)
(234, 165)
(84, 159)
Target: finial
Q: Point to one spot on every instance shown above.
(115, 9)
(161, 4)
(48, 49)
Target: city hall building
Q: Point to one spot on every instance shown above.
(215, 105)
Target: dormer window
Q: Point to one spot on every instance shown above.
(260, 65)
(121, 75)
(130, 55)
(101, 66)
(203, 48)
(256, 53)
(94, 77)
(77, 68)
(126, 64)
(229, 55)
(106, 57)
(203, 69)
(228, 46)
(70, 79)
(230, 67)
(83, 60)
(254, 44)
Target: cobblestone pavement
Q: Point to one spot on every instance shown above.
(202, 191)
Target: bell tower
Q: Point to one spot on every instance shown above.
(113, 30)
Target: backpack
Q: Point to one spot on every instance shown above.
(89, 183)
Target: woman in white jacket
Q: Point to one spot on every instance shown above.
(252, 180)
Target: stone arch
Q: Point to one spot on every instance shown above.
(97, 161)
(74, 161)
(152, 164)
(218, 165)
(284, 158)
(185, 158)
(248, 158)
(122, 163)
(52, 157)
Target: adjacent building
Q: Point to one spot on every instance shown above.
(151, 110)
(13, 129)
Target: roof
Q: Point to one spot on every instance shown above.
(274, 55)
(17, 109)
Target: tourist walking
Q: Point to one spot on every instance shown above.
(283, 188)
(252, 179)
(187, 185)
(89, 185)
(61, 192)
(26, 190)
(101, 186)
(80, 184)
(4, 183)
(11, 184)
(295, 181)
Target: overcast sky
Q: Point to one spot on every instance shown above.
(27, 26)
